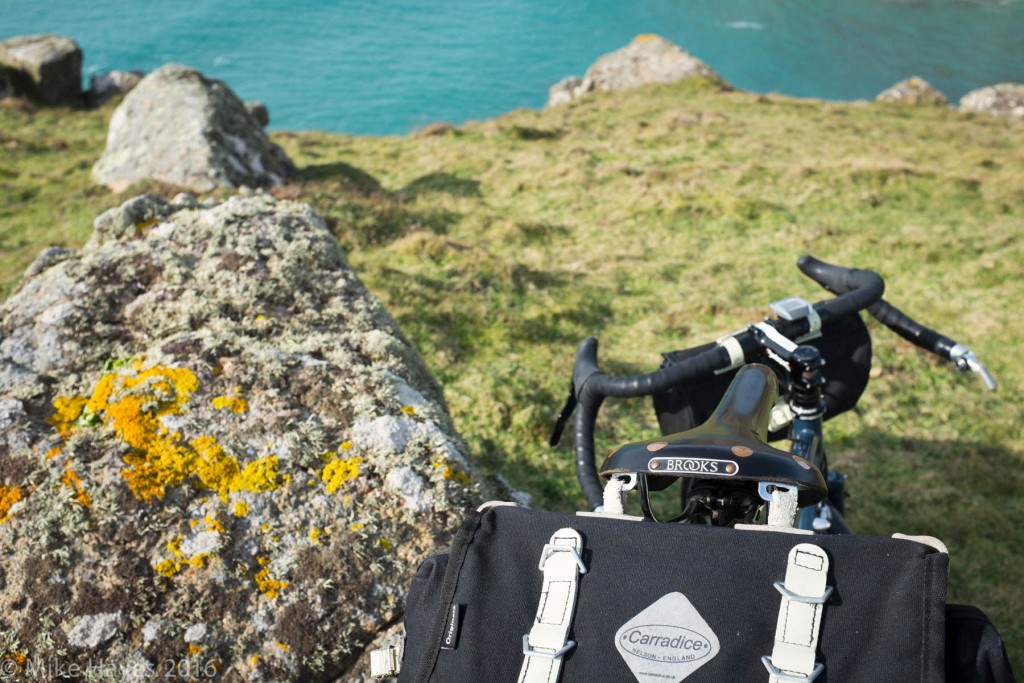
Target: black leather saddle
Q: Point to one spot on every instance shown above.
(729, 447)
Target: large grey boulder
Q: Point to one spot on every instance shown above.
(913, 91)
(181, 128)
(217, 451)
(44, 67)
(648, 59)
(1004, 99)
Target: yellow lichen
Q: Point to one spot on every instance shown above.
(452, 471)
(216, 469)
(235, 404)
(642, 37)
(259, 475)
(267, 585)
(66, 411)
(340, 471)
(345, 446)
(409, 410)
(357, 526)
(315, 534)
(241, 508)
(9, 495)
(214, 524)
(255, 659)
(386, 544)
(169, 567)
(284, 646)
(52, 453)
(73, 481)
(195, 649)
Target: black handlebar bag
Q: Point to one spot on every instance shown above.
(530, 596)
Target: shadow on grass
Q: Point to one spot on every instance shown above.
(441, 182)
(354, 179)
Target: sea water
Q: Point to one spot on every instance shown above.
(390, 66)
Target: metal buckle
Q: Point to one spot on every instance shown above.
(794, 597)
(557, 654)
(788, 677)
(551, 548)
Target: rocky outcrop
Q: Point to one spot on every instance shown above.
(181, 128)
(259, 113)
(1004, 99)
(43, 67)
(648, 59)
(111, 84)
(218, 454)
(913, 91)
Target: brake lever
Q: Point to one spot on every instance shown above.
(966, 361)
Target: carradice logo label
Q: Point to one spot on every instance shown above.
(667, 641)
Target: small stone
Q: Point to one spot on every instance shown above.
(196, 633)
(123, 222)
(151, 631)
(48, 258)
(913, 91)
(109, 84)
(93, 629)
(1004, 99)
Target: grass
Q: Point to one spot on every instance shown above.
(661, 219)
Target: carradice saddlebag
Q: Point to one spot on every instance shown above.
(539, 597)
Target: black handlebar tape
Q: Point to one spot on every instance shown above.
(911, 330)
(857, 289)
(593, 385)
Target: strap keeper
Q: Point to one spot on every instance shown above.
(780, 675)
(557, 654)
(805, 599)
(551, 548)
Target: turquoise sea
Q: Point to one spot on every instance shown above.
(389, 66)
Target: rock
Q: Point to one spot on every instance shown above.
(259, 113)
(1004, 99)
(178, 127)
(215, 445)
(44, 67)
(648, 59)
(111, 84)
(913, 91)
(91, 630)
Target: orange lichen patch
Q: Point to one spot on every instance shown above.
(235, 404)
(195, 649)
(284, 646)
(19, 659)
(216, 469)
(241, 508)
(73, 481)
(9, 495)
(133, 405)
(340, 471)
(643, 37)
(66, 411)
(52, 453)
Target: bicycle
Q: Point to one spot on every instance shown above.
(721, 403)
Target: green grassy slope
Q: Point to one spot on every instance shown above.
(661, 219)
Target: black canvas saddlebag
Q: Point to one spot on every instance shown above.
(526, 595)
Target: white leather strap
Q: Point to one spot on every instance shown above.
(796, 634)
(547, 641)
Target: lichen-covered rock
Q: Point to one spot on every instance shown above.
(913, 91)
(109, 84)
(1004, 99)
(648, 59)
(178, 127)
(218, 453)
(44, 67)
